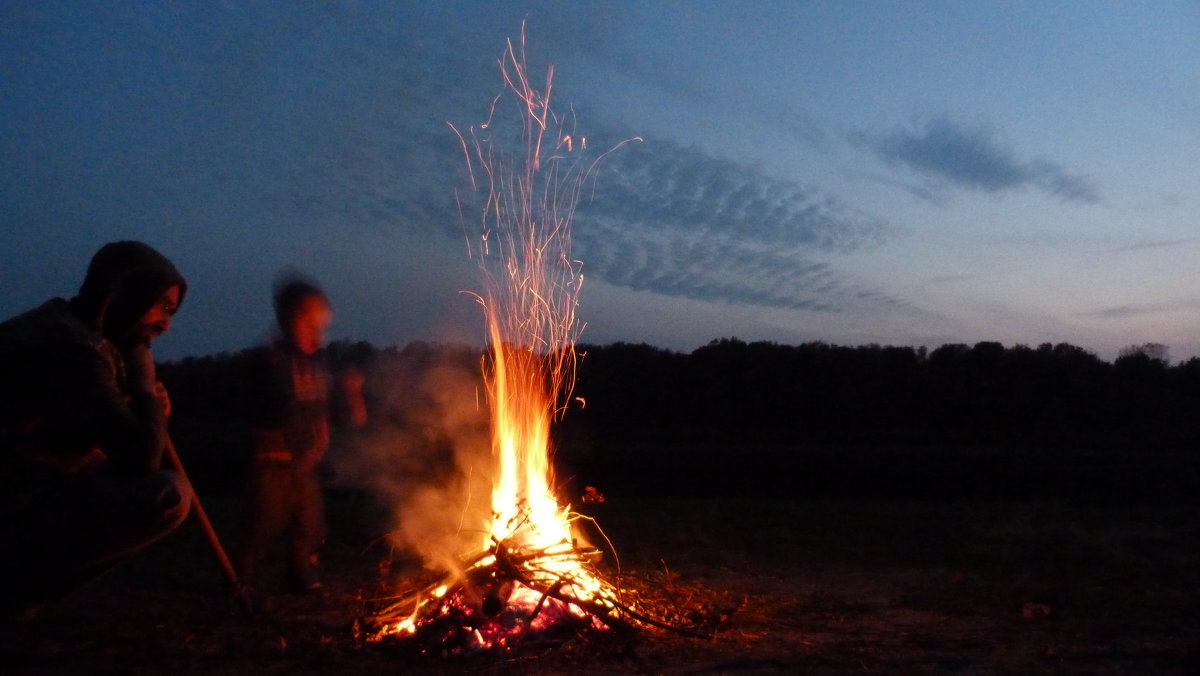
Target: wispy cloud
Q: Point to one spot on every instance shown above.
(679, 222)
(664, 186)
(1124, 311)
(1152, 244)
(606, 40)
(659, 217)
(663, 217)
(945, 153)
(1128, 310)
(948, 279)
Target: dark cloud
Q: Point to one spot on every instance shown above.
(944, 152)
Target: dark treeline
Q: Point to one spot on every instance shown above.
(959, 421)
(985, 395)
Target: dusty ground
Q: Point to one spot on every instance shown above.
(821, 587)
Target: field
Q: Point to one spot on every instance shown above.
(819, 585)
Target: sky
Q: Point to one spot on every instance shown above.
(895, 173)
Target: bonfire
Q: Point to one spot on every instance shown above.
(530, 575)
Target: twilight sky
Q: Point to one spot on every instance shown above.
(907, 173)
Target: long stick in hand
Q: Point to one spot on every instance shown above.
(210, 533)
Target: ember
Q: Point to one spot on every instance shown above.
(532, 576)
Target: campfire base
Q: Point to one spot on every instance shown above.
(455, 625)
(506, 600)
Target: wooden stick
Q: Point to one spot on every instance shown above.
(210, 534)
(541, 603)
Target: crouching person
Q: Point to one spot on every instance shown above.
(83, 429)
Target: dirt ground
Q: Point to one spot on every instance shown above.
(820, 587)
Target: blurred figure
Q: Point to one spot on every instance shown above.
(290, 435)
(83, 427)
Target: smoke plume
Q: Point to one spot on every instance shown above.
(426, 452)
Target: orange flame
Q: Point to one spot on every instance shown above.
(531, 287)
(529, 299)
(529, 306)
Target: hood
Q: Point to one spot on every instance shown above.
(123, 281)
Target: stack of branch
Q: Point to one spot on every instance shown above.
(490, 576)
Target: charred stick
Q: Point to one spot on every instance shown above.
(503, 559)
(409, 604)
(646, 619)
(555, 592)
(603, 613)
(542, 602)
(667, 587)
(418, 597)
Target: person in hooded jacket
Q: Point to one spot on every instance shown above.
(83, 428)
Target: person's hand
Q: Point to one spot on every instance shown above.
(307, 460)
(139, 368)
(160, 391)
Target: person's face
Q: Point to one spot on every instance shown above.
(157, 319)
(309, 322)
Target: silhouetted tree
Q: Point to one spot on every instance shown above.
(762, 413)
